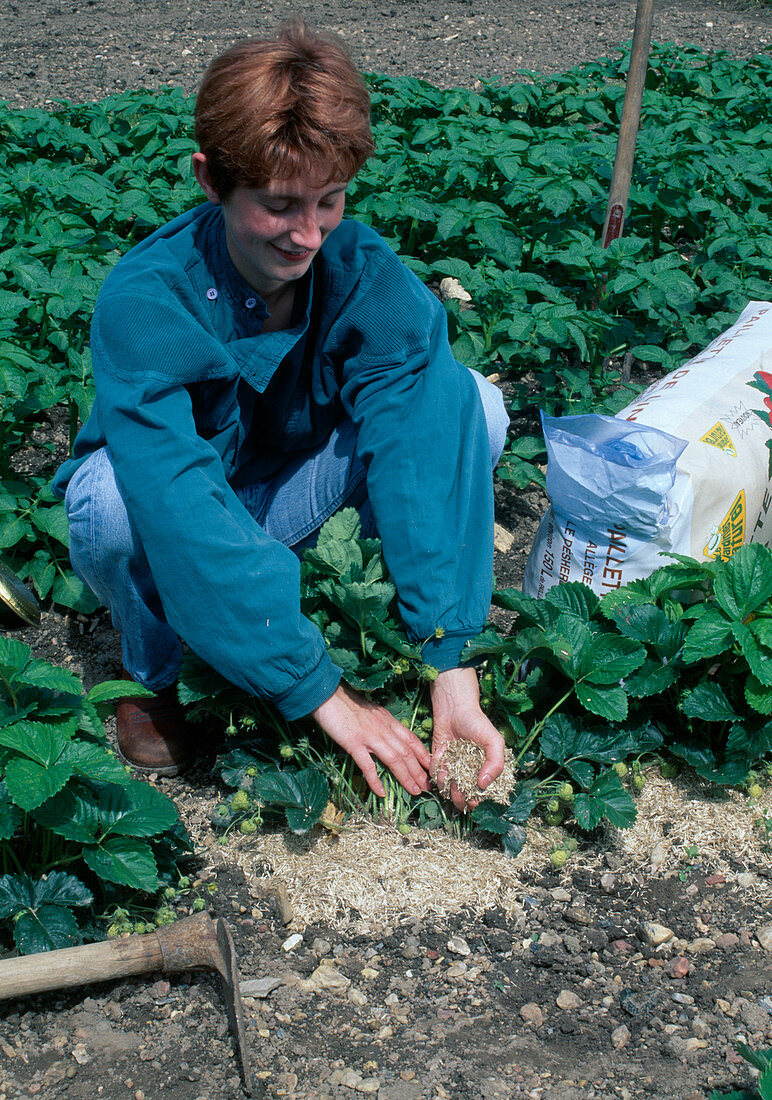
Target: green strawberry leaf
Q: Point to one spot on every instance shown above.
(765, 1085)
(606, 702)
(44, 675)
(110, 690)
(14, 655)
(758, 695)
(605, 798)
(758, 657)
(745, 581)
(59, 888)
(11, 816)
(614, 658)
(48, 928)
(530, 611)
(741, 1094)
(136, 809)
(652, 678)
(303, 795)
(708, 702)
(571, 642)
(513, 840)
(95, 762)
(71, 814)
(708, 637)
(759, 1059)
(30, 784)
(126, 860)
(573, 598)
(70, 591)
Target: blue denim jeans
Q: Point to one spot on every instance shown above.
(290, 506)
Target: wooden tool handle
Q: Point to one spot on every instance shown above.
(70, 966)
(628, 127)
(188, 944)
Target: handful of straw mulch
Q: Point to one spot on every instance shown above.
(462, 761)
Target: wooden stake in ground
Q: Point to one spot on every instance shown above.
(628, 127)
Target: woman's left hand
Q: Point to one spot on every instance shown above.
(457, 716)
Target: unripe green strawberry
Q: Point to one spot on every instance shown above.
(247, 827)
(668, 769)
(621, 769)
(553, 819)
(286, 752)
(558, 858)
(553, 806)
(570, 844)
(240, 801)
(639, 781)
(566, 792)
(429, 673)
(755, 790)
(427, 725)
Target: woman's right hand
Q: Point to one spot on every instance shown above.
(366, 730)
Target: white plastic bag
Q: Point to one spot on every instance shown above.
(684, 468)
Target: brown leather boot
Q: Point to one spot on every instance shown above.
(153, 736)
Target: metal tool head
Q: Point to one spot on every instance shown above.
(232, 993)
(18, 607)
(200, 942)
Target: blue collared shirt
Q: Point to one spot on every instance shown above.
(193, 400)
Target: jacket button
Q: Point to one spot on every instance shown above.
(251, 303)
(211, 294)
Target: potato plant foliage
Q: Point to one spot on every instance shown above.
(502, 187)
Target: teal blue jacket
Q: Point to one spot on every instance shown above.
(193, 399)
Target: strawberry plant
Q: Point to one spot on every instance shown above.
(66, 801)
(677, 664)
(346, 591)
(681, 660)
(760, 1060)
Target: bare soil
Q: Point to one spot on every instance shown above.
(558, 995)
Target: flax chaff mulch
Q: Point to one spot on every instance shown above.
(370, 875)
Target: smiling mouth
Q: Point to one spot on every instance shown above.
(294, 257)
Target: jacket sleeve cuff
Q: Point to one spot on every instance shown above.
(310, 692)
(445, 652)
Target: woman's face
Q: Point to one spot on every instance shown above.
(274, 232)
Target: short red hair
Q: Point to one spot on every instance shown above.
(284, 107)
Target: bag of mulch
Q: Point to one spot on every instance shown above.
(686, 468)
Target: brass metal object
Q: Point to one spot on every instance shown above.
(18, 606)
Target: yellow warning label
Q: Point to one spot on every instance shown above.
(729, 535)
(719, 437)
